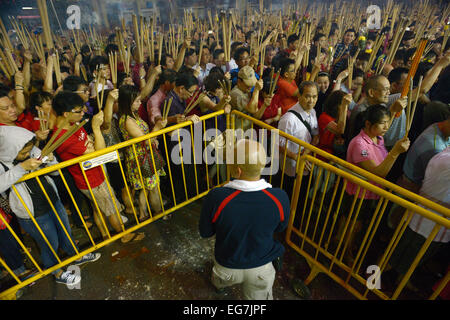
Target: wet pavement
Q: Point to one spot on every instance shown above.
(172, 263)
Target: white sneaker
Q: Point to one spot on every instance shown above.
(68, 278)
(124, 219)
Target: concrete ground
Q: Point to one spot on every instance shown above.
(171, 263)
(174, 263)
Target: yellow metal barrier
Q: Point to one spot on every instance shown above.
(322, 225)
(10, 293)
(318, 223)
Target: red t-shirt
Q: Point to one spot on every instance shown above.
(75, 147)
(326, 137)
(272, 110)
(24, 120)
(286, 89)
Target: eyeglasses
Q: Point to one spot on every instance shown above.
(82, 91)
(77, 111)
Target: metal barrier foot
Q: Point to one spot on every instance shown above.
(301, 289)
(312, 274)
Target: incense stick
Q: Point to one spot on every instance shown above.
(167, 105)
(52, 139)
(419, 89)
(63, 138)
(113, 66)
(273, 84)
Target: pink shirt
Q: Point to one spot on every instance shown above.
(362, 148)
(154, 106)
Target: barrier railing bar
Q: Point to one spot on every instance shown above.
(158, 185)
(321, 204)
(56, 214)
(20, 243)
(99, 212)
(312, 202)
(170, 171)
(182, 165)
(76, 206)
(144, 189)
(328, 215)
(370, 176)
(36, 224)
(193, 157)
(440, 287)
(351, 231)
(112, 198)
(206, 158)
(371, 230)
(416, 261)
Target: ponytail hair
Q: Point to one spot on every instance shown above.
(374, 114)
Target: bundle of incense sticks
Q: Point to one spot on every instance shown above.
(307, 41)
(76, 41)
(413, 69)
(137, 39)
(83, 72)
(226, 86)
(446, 34)
(410, 116)
(408, 106)
(428, 49)
(35, 45)
(52, 145)
(273, 82)
(397, 40)
(9, 58)
(52, 139)
(57, 68)
(122, 50)
(226, 32)
(148, 38)
(373, 54)
(100, 95)
(42, 6)
(166, 108)
(196, 99)
(5, 64)
(160, 45)
(262, 57)
(20, 32)
(43, 120)
(5, 69)
(200, 52)
(113, 66)
(6, 40)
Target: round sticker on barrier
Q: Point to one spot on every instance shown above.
(87, 165)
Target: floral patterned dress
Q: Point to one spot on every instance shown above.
(150, 174)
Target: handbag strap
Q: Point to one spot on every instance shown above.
(306, 124)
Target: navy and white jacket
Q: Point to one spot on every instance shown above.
(244, 216)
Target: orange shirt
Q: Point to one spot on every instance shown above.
(286, 91)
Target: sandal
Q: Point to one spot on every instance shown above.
(136, 237)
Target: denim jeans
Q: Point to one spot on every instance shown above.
(10, 252)
(53, 231)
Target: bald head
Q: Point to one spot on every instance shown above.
(249, 160)
(377, 89)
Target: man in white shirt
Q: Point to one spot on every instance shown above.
(301, 122)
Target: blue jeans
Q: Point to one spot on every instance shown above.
(53, 231)
(10, 251)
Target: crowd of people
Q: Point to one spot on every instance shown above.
(359, 117)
